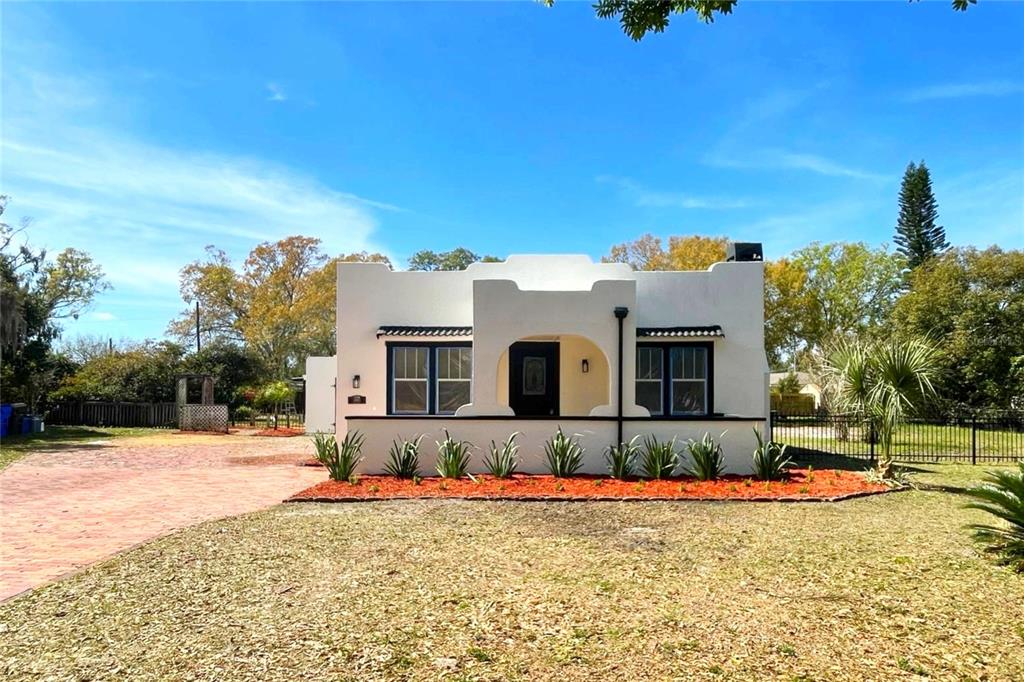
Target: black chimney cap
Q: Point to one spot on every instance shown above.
(743, 252)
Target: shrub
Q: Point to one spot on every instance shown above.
(621, 459)
(452, 456)
(502, 462)
(404, 458)
(340, 461)
(708, 460)
(770, 460)
(564, 455)
(243, 413)
(1002, 495)
(659, 460)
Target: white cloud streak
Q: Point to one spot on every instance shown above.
(784, 159)
(999, 88)
(277, 93)
(645, 197)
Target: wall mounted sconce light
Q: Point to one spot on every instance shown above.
(355, 381)
(586, 365)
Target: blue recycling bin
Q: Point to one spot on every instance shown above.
(26, 424)
(5, 418)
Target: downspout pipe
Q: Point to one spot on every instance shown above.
(620, 315)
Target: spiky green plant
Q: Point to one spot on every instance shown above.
(659, 458)
(1002, 495)
(883, 382)
(452, 456)
(770, 460)
(404, 458)
(708, 458)
(503, 461)
(621, 458)
(340, 460)
(564, 455)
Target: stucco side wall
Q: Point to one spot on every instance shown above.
(738, 441)
(727, 294)
(320, 394)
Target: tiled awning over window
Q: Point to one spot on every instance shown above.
(406, 330)
(711, 331)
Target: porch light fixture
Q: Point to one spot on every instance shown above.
(586, 365)
(355, 381)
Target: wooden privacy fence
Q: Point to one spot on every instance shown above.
(157, 415)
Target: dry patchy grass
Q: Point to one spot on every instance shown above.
(882, 588)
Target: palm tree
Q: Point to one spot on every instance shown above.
(1003, 496)
(883, 382)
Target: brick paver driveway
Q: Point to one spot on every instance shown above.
(63, 510)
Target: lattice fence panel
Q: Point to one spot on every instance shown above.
(203, 418)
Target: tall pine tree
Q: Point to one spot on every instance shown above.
(918, 238)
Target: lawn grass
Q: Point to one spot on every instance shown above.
(887, 587)
(62, 438)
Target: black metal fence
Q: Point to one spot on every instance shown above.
(966, 437)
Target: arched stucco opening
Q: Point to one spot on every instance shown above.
(582, 386)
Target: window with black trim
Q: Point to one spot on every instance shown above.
(675, 379)
(429, 378)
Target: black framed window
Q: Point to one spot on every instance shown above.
(428, 378)
(675, 379)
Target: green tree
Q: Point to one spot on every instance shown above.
(280, 304)
(971, 303)
(145, 372)
(456, 259)
(881, 381)
(918, 237)
(36, 294)
(850, 291)
(638, 17)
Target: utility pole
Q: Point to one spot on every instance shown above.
(110, 346)
(198, 344)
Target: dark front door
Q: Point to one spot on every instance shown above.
(533, 378)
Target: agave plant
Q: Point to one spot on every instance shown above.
(404, 458)
(503, 461)
(452, 456)
(340, 460)
(621, 458)
(1002, 495)
(882, 382)
(708, 459)
(770, 460)
(564, 455)
(659, 458)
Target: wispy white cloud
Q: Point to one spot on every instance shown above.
(784, 159)
(144, 209)
(277, 93)
(997, 88)
(645, 197)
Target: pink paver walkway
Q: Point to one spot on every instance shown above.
(61, 511)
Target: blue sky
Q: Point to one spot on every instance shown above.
(142, 133)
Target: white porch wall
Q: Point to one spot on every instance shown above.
(503, 314)
(320, 394)
(738, 441)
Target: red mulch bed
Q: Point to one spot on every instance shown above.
(821, 485)
(281, 432)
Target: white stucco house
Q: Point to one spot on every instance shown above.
(537, 342)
